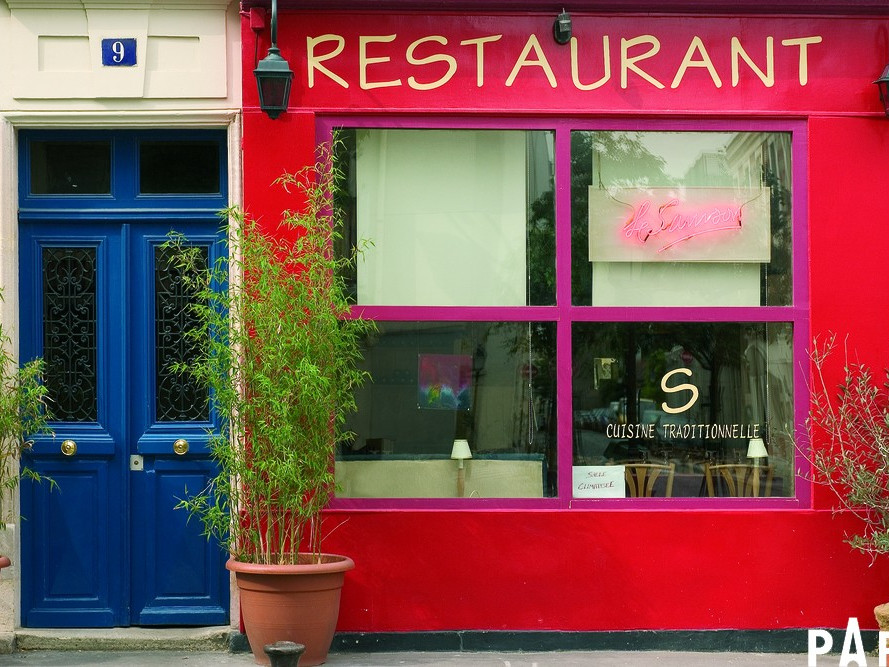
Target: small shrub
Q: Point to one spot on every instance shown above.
(848, 427)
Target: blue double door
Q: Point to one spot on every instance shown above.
(105, 308)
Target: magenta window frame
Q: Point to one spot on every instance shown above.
(565, 314)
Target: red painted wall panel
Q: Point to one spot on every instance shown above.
(849, 242)
(588, 570)
(272, 148)
(425, 570)
(849, 230)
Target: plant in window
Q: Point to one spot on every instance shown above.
(278, 353)
(23, 412)
(848, 427)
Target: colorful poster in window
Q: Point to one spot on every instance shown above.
(445, 382)
(679, 224)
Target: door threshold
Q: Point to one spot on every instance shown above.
(216, 638)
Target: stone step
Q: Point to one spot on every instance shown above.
(219, 638)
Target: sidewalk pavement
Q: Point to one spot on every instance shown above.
(408, 659)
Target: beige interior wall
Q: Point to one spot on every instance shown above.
(437, 478)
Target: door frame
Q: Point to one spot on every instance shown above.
(10, 125)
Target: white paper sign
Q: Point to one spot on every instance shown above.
(679, 224)
(599, 482)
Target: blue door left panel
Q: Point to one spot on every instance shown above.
(74, 534)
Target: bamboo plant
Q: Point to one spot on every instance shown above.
(278, 351)
(23, 412)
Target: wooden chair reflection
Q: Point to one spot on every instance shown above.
(739, 479)
(641, 478)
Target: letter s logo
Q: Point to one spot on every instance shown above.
(678, 387)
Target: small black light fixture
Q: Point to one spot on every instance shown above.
(273, 75)
(562, 28)
(883, 86)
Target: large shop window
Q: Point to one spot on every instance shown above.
(456, 219)
(681, 218)
(668, 358)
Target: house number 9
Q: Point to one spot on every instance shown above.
(119, 52)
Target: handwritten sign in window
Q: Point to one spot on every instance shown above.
(599, 482)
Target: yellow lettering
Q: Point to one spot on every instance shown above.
(435, 58)
(313, 61)
(627, 63)
(696, 46)
(767, 77)
(480, 55)
(541, 61)
(679, 387)
(575, 74)
(364, 61)
(803, 44)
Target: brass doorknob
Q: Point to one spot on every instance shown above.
(180, 447)
(69, 447)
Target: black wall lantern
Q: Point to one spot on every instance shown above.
(883, 85)
(562, 28)
(273, 75)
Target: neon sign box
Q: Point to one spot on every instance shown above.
(679, 224)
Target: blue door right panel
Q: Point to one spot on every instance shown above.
(165, 408)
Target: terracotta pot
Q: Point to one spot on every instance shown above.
(297, 603)
(881, 613)
(5, 562)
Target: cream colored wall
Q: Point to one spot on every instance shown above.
(187, 74)
(187, 57)
(437, 478)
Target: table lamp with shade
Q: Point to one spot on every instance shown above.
(756, 450)
(460, 452)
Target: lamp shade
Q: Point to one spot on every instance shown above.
(756, 449)
(461, 450)
(883, 85)
(273, 77)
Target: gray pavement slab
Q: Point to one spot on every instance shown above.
(492, 659)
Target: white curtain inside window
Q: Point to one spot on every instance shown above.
(675, 284)
(445, 211)
(675, 159)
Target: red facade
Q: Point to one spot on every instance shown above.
(571, 566)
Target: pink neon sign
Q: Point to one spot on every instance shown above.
(667, 224)
(671, 227)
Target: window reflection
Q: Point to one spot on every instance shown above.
(70, 167)
(686, 395)
(616, 174)
(491, 383)
(179, 167)
(475, 226)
